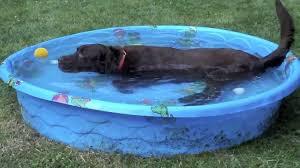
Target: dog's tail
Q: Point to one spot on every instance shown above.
(286, 37)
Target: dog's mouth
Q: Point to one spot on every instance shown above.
(67, 64)
(72, 64)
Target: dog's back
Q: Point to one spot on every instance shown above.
(215, 62)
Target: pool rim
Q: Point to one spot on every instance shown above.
(234, 106)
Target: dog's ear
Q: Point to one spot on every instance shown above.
(79, 51)
(116, 52)
(112, 58)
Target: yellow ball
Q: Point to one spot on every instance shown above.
(41, 53)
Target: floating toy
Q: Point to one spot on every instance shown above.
(53, 62)
(41, 53)
(239, 91)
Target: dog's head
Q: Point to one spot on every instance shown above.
(91, 58)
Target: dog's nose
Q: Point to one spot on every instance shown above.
(65, 59)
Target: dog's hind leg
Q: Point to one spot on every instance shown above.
(211, 92)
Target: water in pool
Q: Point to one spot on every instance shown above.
(97, 86)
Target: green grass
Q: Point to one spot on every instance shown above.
(27, 22)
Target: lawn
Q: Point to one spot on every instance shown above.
(27, 22)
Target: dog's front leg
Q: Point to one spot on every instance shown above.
(127, 84)
(123, 86)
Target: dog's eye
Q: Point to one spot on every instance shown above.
(94, 59)
(102, 58)
(244, 67)
(84, 59)
(80, 56)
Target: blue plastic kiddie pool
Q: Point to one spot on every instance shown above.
(85, 111)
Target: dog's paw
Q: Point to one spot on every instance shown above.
(186, 99)
(196, 103)
(121, 87)
(192, 100)
(125, 91)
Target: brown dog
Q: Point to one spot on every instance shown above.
(151, 64)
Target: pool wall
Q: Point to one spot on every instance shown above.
(182, 37)
(141, 135)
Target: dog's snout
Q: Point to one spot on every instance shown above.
(66, 59)
(66, 63)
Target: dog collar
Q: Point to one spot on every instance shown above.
(123, 56)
